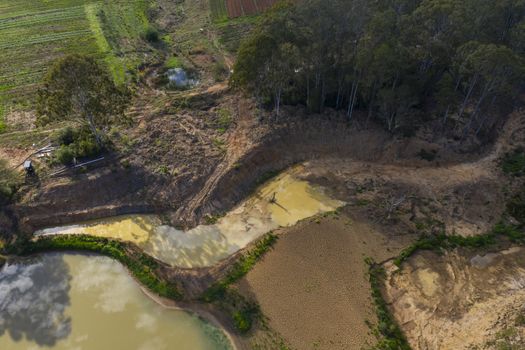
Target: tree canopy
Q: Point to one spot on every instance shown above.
(80, 88)
(457, 61)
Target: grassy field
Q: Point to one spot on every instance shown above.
(33, 33)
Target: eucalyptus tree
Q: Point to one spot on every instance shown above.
(79, 88)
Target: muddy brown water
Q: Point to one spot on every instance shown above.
(281, 202)
(74, 301)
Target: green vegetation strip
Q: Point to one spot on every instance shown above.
(242, 312)
(443, 241)
(388, 332)
(142, 266)
(391, 336)
(241, 267)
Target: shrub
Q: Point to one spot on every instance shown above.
(75, 144)
(66, 136)
(392, 336)
(243, 319)
(64, 155)
(516, 207)
(152, 35)
(9, 182)
(87, 148)
(520, 319)
(444, 241)
(514, 163)
(3, 126)
(245, 263)
(429, 156)
(220, 71)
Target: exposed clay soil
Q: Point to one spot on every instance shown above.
(177, 160)
(461, 300)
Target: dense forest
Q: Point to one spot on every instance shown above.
(459, 63)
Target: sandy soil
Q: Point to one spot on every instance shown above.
(313, 285)
(461, 300)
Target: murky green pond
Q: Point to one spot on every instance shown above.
(87, 302)
(283, 201)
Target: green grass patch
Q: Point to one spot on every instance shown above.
(173, 62)
(3, 125)
(390, 336)
(245, 263)
(442, 241)
(514, 163)
(242, 312)
(224, 120)
(142, 266)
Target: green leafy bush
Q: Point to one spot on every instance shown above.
(391, 336)
(75, 144)
(66, 136)
(64, 155)
(9, 182)
(444, 241)
(243, 319)
(240, 268)
(220, 71)
(3, 125)
(514, 163)
(152, 35)
(516, 207)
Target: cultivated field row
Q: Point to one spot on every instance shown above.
(223, 9)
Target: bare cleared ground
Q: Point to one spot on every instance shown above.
(313, 285)
(461, 300)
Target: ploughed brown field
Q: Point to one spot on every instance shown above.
(237, 8)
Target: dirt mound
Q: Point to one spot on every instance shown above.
(461, 300)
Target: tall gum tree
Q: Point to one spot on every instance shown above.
(79, 88)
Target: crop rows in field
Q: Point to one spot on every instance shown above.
(238, 8)
(42, 39)
(35, 32)
(42, 17)
(223, 9)
(218, 10)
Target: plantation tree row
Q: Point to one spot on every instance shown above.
(457, 61)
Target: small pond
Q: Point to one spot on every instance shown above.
(87, 302)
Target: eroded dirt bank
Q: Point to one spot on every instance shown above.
(196, 178)
(461, 300)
